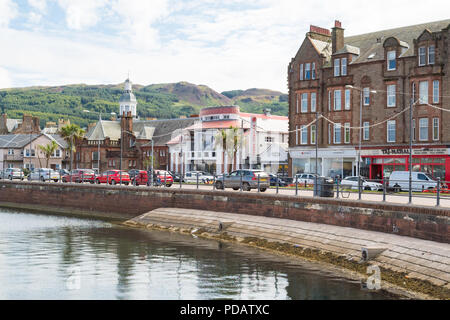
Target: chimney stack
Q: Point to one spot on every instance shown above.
(337, 36)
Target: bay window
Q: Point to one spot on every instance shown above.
(307, 71)
(304, 104)
(344, 66)
(423, 92)
(423, 129)
(303, 135)
(347, 99)
(422, 56)
(337, 133)
(337, 63)
(337, 100)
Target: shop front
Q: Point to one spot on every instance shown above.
(330, 163)
(382, 162)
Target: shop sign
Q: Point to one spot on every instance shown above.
(404, 151)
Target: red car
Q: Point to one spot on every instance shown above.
(142, 178)
(80, 175)
(113, 177)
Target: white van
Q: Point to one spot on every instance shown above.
(419, 181)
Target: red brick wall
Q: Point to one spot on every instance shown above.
(419, 222)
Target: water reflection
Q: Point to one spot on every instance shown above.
(38, 254)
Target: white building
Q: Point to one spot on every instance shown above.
(257, 141)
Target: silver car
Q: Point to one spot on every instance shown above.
(44, 174)
(12, 173)
(249, 180)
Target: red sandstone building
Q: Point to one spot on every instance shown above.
(383, 71)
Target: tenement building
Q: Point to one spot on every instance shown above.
(362, 88)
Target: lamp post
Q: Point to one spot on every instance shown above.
(360, 134)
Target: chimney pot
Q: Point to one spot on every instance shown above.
(337, 24)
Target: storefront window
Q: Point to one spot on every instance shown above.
(298, 166)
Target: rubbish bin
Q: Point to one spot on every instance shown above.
(325, 187)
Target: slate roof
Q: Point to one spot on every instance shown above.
(16, 140)
(372, 43)
(59, 140)
(322, 47)
(103, 129)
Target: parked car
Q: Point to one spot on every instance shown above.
(12, 173)
(399, 180)
(165, 177)
(113, 177)
(63, 172)
(133, 173)
(80, 175)
(352, 182)
(44, 174)
(274, 178)
(301, 178)
(249, 180)
(176, 176)
(203, 177)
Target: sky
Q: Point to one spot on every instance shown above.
(226, 45)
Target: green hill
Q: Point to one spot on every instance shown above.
(170, 100)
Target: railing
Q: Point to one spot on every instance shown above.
(13, 157)
(417, 192)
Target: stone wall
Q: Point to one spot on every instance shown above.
(127, 202)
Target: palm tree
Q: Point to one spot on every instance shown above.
(48, 151)
(221, 141)
(70, 133)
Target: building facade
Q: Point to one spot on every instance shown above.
(361, 89)
(224, 139)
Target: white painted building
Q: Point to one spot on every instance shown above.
(256, 141)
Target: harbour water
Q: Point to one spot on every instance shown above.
(53, 257)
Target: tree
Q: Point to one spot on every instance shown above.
(48, 150)
(221, 141)
(70, 133)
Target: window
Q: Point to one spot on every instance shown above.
(423, 129)
(366, 132)
(366, 96)
(422, 54)
(435, 129)
(347, 99)
(391, 131)
(423, 92)
(313, 101)
(391, 63)
(313, 71)
(307, 71)
(337, 100)
(431, 55)
(344, 66)
(301, 71)
(337, 133)
(269, 139)
(304, 135)
(11, 152)
(95, 156)
(313, 133)
(391, 95)
(57, 153)
(304, 105)
(336, 67)
(436, 91)
(329, 100)
(347, 132)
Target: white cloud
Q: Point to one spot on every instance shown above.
(40, 5)
(5, 79)
(82, 14)
(8, 11)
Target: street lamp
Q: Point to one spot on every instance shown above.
(360, 133)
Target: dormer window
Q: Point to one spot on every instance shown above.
(344, 66)
(422, 56)
(337, 63)
(431, 55)
(391, 62)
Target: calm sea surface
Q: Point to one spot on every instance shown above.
(54, 257)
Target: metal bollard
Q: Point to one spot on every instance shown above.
(223, 181)
(306, 184)
(240, 177)
(258, 183)
(181, 179)
(337, 188)
(359, 188)
(438, 192)
(197, 179)
(296, 186)
(214, 182)
(82, 176)
(165, 179)
(384, 190)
